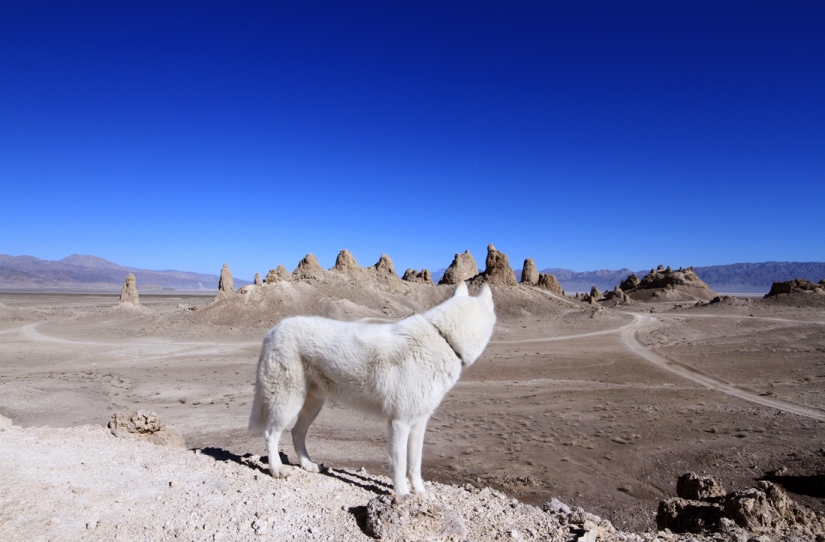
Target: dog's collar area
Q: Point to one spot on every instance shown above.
(443, 336)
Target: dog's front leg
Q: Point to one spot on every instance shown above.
(414, 452)
(399, 433)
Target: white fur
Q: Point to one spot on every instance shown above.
(398, 371)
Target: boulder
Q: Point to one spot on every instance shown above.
(693, 487)
(308, 269)
(257, 279)
(498, 269)
(144, 424)
(129, 293)
(462, 268)
(529, 273)
(345, 263)
(687, 516)
(549, 282)
(424, 277)
(226, 285)
(412, 517)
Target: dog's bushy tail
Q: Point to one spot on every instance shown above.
(259, 417)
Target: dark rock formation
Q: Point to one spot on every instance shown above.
(630, 283)
(792, 286)
(462, 268)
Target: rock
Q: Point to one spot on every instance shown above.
(129, 294)
(308, 269)
(687, 516)
(529, 273)
(549, 282)
(345, 263)
(257, 280)
(424, 277)
(722, 299)
(630, 283)
(595, 294)
(412, 517)
(226, 285)
(277, 275)
(698, 488)
(462, 268)
(5, 422)
(792, 286)
(384, 266)
(144, 424)
(616, 293)
(498, 269)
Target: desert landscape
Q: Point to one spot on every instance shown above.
(600, 401)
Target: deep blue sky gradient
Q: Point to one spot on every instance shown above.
(586, 135)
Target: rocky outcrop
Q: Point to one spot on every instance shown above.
(412, 517)
(345, 263)
(665, 284)
(144, 424)
(424, 277)
(498, 271)
(704, 507)
(616, 294)
(257, 280)
(529, 273)
(384, 266)
(796, 285)
(550, 283)
(308, 269)
(225, 284)
(129, 294)
(462, 268)
(277, 275)
(630, 283)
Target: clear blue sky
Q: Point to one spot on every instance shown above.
(586, 135)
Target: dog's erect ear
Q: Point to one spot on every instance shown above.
(485, 294)
(461, 290)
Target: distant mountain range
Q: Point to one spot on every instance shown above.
(90, 273)
(76, 272)
(732, 278)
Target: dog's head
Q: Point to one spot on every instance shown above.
(468, 322)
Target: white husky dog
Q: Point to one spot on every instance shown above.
(398, 371)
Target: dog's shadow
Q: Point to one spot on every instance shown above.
(347, 476)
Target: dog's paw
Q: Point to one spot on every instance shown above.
(423, 493)
(311, 466)
(281, 472)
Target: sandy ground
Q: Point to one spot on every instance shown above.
(601, 409)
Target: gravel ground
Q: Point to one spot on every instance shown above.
(82, 483)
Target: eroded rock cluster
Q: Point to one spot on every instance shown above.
(423, 277)
(796, 285)
(703, 506)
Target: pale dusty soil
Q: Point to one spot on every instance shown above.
(601, 409)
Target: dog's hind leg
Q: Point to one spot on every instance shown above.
(415, 448)
(276, 468)
(312, 406)
(399, 433)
